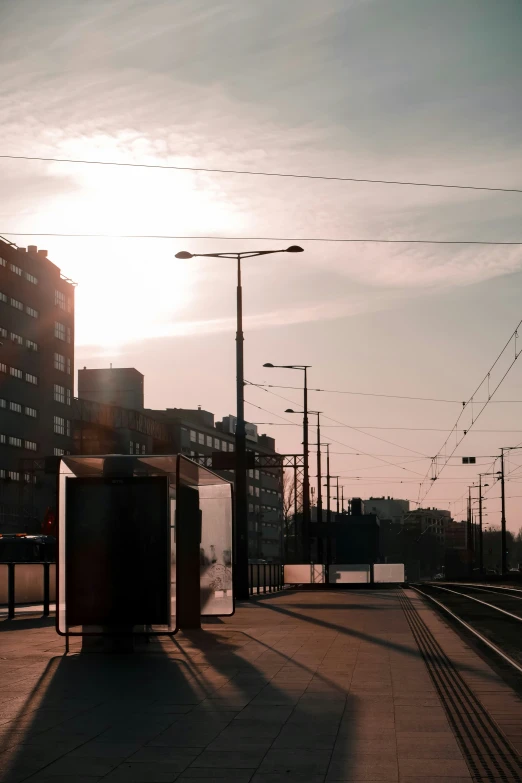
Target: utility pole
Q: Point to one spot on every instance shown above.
(481, 552)
(470, 528)
(328, 510)
(319, 478)
(503, 516)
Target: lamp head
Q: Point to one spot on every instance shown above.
(184, 254)
(289, 410)
(268, 364)
(294, 249)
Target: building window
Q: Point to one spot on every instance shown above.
(2, 470)
(31, 412)
(13, 441)
(143, 449)
(193, 437)
(3, 403)
(250, 474)
(68, 366)
(31, 445)
(3, 297)
(251, 507)
(15, 303)
(59, 360)
(13, 475)
(59, 393)
(231, 447)
(257, 491)
(16, 373)
(3, 332)
(16, 338)
(69, 304)
(59, 425)
(31, 345)
(15, 407)
(58, 452)
(201, 439)
(68, 334)
(15, 269)
(2, 262)
(31, 311)
(216, 444)
(59, 330)
(131, 447)
(31, 278)
(256, 474)
(3, 367)
(2, 438)
(59, 299)
(31, 378)
(250, 489)
(68, 392)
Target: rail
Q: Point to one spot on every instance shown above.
(508, 644)
(26, 584)
(265, 578)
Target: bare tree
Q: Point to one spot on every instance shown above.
(289, 496)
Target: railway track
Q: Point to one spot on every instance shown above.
(492, 614)
(488, 752)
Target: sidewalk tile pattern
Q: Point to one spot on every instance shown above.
(298, 686)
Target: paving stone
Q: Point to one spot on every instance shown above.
(290, 761)
(244, 758)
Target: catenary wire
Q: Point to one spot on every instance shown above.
(368, 434)
(251, 173)
(374, 394)
(262, 239)
(386, 462)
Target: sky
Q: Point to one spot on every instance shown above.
(373, 89)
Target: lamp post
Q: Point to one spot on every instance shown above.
(306, 471)
(319, 478)
(241, 499)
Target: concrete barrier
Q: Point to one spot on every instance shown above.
(307, 573)
(388, 573)
(29, 583)
(349, 574)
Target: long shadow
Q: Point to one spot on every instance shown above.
(189, 699)
(23, 624)
(362, 635)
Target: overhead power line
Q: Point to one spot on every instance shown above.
(259, 239)
(374, 427)
(340, 443)
(368, 434)
(490, 394)
(376, 394)
(253, 173)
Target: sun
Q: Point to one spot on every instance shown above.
(131, 289)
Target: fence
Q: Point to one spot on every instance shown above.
(27, 583)
(265, 578)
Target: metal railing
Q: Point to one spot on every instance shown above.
(27, 584)
(265, 578)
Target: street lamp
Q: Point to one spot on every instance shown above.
(241, 498)
(306, 476)
(319, 489)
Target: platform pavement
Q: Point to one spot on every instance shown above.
(297, 686)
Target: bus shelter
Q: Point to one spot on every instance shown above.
(144, 545)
